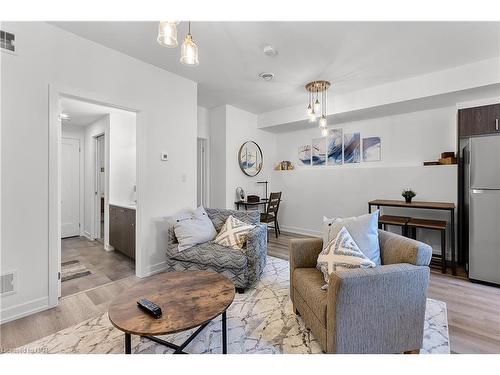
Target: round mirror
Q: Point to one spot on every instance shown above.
(250, 158)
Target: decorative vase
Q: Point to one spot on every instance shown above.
(408, 199)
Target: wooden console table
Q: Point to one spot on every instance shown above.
(439, 206)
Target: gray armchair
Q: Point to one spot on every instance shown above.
(375, 310)
(242, 267)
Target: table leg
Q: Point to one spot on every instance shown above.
(224, 333)
(128, 344)
(452, 243)
(369, 208)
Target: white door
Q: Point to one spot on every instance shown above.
(70, 187)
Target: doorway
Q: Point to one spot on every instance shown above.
(202, 172)
(100, 173)
(70, 187)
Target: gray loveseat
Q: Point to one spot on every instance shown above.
(375, 310)
(242, 267)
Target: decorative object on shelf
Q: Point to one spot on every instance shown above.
(334, 147)
(316, 108)
(253, 198)
(250, 158)
(240, 194)
(284, 165)
(408, 195)
(167, 37)
(352, 148)
(319, 151)
(304, 155)
(372, 149)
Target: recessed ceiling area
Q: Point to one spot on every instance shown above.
(82, 113)
(351, 55)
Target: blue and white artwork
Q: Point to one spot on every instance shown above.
(371, 149)
(319, 151)
(334, 147)
(304, 155)
(352, 148)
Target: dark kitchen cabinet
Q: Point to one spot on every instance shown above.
(479, 120)
(122, 230)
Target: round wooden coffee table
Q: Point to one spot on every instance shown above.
(187, 300)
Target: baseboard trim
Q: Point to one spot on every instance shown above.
(154, 269)
(108, 247)
(24, 309)
(301, 231)
(88, 236)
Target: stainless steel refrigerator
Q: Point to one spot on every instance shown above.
(482, 207)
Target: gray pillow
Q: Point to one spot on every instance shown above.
(363, 229)
(194, 229)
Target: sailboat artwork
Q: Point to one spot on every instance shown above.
(319, 151)
(304, 155)
(250, 158)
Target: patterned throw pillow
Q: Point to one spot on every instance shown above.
(233, 233)
(341, 252)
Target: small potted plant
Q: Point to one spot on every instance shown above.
(408, 194)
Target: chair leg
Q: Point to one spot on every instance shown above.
(240, 290)
(443, 251)
(278, 225)
(267, 226)
(276, 228)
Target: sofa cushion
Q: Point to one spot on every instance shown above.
(212, 254)
(308, 282)
(194, 229)
(234, 233)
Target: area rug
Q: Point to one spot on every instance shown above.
(73, 269)
(259, 321)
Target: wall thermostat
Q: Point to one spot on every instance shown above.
(164, 156)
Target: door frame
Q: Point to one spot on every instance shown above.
(55, 92)
(205, 167)
(96, 212)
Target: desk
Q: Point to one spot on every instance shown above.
(247, 204)
(440, 206)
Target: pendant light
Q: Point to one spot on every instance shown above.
(167, 34)
(189, 50)
(315, 107)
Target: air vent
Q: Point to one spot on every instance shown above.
(266, 76)
(8, 283)
(7, 41)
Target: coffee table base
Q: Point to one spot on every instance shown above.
(179, 349)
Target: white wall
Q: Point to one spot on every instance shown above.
(166, 103)
(340, 191)
(218, 157)
(203, 122)
(122, 157)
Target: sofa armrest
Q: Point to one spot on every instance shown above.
(377, 310)
(256, 251)
(398, 249)
(172, 244)
(303, 253)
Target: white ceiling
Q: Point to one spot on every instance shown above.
(352, 55)
(82, 113)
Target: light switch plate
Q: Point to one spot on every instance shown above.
(164, 156)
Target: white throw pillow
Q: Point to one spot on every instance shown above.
(234, 233)
(341, 252)
(194, 229)
(363, 229)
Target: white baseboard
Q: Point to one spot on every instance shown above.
(88, 236)
(302, 231)
(108, 247)
(24, 309)
(154, 269)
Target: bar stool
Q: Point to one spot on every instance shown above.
(399, 221)
(438, 225)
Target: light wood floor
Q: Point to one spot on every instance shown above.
(473, 309)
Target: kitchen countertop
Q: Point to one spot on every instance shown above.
(129, 206)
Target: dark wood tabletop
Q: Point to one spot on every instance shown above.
(413, 204)
(187, 299)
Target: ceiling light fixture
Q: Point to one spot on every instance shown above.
(315, 107)
(266, 76)
(189, 50)
(167, 34)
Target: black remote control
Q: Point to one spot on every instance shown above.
(149, 307)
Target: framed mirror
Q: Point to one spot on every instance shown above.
(250, 158)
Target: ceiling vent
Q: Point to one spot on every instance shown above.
(7, 41)
(266, 76)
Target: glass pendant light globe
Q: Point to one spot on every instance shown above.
(323, 122)
(189, 52)
(167, 34)
(309, 109)
(312, 116)
(324, 132)
(316, 106)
